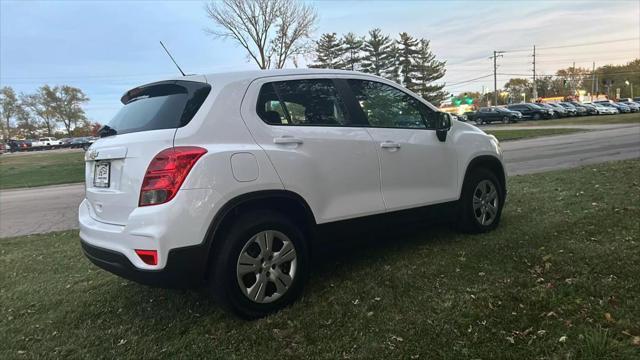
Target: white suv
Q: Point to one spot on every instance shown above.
(228, 179)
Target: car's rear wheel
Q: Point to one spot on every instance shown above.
(481, 203)
(479, 121)
(260, 266)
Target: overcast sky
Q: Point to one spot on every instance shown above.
(108, 47)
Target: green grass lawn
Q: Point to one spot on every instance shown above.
(559, 279)
(505, 135)
(632, 118)
(42, 168)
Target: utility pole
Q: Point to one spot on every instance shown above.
(535, 85)
(495, 56)
(593, 81)
(573, 79)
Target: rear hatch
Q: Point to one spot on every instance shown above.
(144, 126)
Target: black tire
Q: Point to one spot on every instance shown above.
(536, 116)
(223, 281)
(479, 121)
(467, 221)
(505, 120)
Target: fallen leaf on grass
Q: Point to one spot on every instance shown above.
(397, 338)
(609, 318)
(562, 339)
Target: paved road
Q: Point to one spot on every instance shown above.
(567, 151)
(41, 210)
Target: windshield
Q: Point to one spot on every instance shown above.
(163, 105)
(535, 106)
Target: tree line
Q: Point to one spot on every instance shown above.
(604, 81)
(406, 60)
(566, 82)
(44, 112)
(276, 32)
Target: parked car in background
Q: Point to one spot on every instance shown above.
(82, 142)
(561, 111)
(554, 113)
(579, 111)
(531, 111)
(570, 108)
(621, 107)
(610, 106)
(19, 145)
(588, 107)
(487, 115)
(3, 148)
(66, 142)
(605, 110)
(46, 143)
(631, 104)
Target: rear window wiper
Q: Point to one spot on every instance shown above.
(107, 131)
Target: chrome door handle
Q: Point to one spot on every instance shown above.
(285, 139)
(390, 145)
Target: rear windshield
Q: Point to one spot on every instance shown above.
(162, 105)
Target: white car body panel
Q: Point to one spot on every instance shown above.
(340, 172)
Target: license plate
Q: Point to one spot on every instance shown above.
(102, 174)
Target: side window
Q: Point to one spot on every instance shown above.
(313, 102)
(269, 108)
(386, 106)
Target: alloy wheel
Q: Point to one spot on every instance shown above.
(266, 266)
(485, 202)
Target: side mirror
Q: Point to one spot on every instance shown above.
(443, 124)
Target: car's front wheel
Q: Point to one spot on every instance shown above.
(481, 202)
(536, 116)
(260, 266)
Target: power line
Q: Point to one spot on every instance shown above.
(577, 45)
(470, 80)
(583, 74)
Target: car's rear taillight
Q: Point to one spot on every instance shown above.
(166, 172)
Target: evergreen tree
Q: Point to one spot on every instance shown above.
(329, 52)
(378, 56)
(407, 68)
(429, 70)
(352, 50)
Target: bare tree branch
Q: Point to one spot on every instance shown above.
(271, 31)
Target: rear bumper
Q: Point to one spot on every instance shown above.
(185, 266)
(175, 230)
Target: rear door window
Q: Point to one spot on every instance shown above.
(163, 105)
(307, 102)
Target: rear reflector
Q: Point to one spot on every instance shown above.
(149, 257)
(166, 172)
